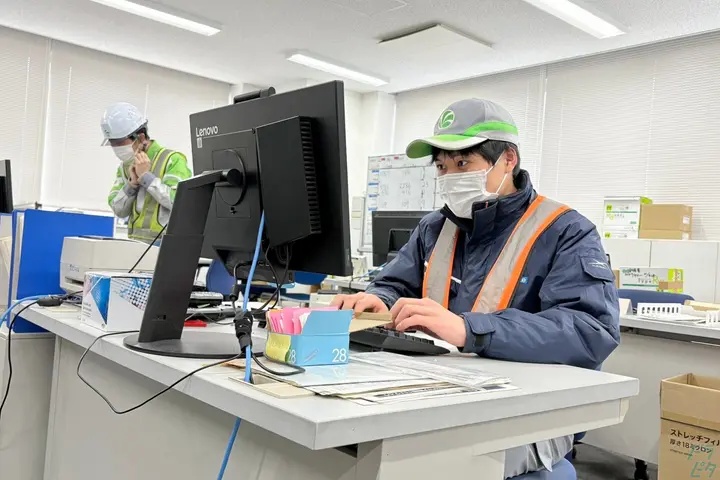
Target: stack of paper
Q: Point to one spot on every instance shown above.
(384, 378)
(466, 376)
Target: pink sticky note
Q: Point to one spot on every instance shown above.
(289, 319)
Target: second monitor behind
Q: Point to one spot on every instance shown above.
(391, 230)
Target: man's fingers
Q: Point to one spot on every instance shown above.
(413, 321)
(410, 310)
(338, 300)
(366, 303)
(400, 304)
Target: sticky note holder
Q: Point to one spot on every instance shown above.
(325, 340)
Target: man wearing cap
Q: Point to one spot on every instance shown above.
(499, 271)
(148, 174)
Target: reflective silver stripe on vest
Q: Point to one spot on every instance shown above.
(500, 275)
(438, 274)
(150, 205)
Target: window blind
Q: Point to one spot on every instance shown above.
(521, 93)
(77, 172)
(637, 122)
(23, 64)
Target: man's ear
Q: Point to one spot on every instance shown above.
(511, 160)
(145, 141)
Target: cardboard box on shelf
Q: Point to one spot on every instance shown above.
(652, 279)
(665, 234)
(702, 306)
(689, 427)
(623, 211)
(661, 216)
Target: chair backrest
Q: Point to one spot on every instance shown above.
(645, 296)
(218, 279)
(307, 278)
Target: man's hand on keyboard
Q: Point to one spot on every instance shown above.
(360, 302)
(428, 315)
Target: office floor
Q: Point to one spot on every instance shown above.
(595, 464)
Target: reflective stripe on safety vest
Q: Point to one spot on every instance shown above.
(145, 226)
(499, 286)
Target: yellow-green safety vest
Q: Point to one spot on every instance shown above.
(145, 226)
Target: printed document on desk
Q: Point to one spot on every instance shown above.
(465, 376)
(349, 373)
(421, 393)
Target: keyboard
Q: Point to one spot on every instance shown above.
(382, 339)
(211, 299)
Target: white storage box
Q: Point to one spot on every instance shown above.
(621, 216)
(114, 301)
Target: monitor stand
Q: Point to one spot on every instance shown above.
(192, 345)
(161, 332)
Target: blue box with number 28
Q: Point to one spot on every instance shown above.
(324, 340)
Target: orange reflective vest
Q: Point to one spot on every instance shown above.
(499, 286)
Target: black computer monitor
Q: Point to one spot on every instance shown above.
(391, 230)
(6, 196)
(283, 155)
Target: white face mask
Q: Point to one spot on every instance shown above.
(462, 190)
(124, 153)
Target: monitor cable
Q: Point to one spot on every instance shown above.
(11, 325)
(145, 402)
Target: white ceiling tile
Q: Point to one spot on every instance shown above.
(258, 34)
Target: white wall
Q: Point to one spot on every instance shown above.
(23, 84)
(354, 143)
(77, 172)
(52, 96)
(644, 121)
(521, 93)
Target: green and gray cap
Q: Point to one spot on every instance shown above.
(465, 124)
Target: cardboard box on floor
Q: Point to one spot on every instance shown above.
(689, 427)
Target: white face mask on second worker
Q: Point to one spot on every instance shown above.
(462, 190)
(124, 153)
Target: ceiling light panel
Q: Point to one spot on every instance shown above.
(579, 16)
(330, 66)
(164, 14)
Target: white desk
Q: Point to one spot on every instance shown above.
(182, 435)
(653, 351)
(23, 426)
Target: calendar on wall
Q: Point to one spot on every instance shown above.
(398, 183)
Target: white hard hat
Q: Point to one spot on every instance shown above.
(121, 120)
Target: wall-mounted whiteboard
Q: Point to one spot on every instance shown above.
(396, 182)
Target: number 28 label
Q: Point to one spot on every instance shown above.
(339, 355)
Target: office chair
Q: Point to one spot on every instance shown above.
(563, 470)
(644, 296)
(218, 280)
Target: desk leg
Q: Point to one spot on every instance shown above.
(416, 456)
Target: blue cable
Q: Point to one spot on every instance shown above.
(248, 352)
(5, 315)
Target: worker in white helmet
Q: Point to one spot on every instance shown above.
(144, 188)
